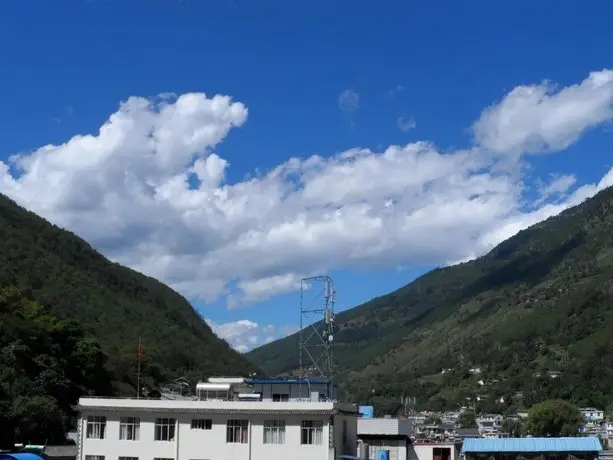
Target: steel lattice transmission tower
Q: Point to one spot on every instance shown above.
(317, 299)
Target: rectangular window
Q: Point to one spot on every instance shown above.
(312, 432)
(129, 428)
(165, 429)
(94, 457)
(162, 458)
(237, 431)
(202, 424)
(280, 397)
(128, 458)
(344, 432)
(274, 432)
(96, 426)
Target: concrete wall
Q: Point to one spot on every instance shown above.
(426, 451)
(197, 444)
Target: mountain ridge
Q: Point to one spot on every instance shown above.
(113, 303)
(477, 310)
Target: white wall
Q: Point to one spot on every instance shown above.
(211, 444)
(295, 391)
(397, 448)
(426, 451)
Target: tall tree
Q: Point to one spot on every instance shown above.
(513, 428)
(554, 417)
(467, 420)
(46, 364)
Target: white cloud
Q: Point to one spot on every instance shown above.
(149, 191)
(349, 101)
(405, 124)
(558, 186)
(243, 335)
(537, 118)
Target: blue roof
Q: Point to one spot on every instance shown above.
(281, 381)
(589, 444)
(19, 456)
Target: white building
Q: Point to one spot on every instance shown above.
(434, 451)
(391, 434)
(252, 420)
(489, 425)
(591, 414)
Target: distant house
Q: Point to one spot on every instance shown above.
(466, 433)
(489, 424)
(525, 448)
(591, 414)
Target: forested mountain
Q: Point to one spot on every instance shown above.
(46, 363)
(535, 315)
(57, 283)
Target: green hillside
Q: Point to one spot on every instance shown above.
(112, 303)
(539, 304)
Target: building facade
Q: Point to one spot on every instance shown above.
(435, 451)
(390, 434)
(221, 424)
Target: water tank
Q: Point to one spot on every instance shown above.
(363, 451)
(383, 454)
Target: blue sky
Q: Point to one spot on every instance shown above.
(317, 78)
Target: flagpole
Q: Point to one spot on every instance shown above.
(138, 372)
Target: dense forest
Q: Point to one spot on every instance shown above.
(66, 287)
(529, 321)
(46, 363)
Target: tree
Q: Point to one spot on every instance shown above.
(513, 428)
(554, 417)
(46, 364)
(467, 420)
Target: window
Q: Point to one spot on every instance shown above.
(274, 432)
(344, 434)
(96, 426)
(202, 424)
(164, 429)
(236, 431)
(280, 397)
(94, 457)
(312, 432)
(128, 458)
(162, 458)
(129, 429)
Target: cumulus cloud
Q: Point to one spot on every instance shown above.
(243, 335)
(349, 101)
(540, 118)
(149, 191)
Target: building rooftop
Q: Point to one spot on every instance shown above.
(214, 406)
(533, 445)
(287, 381)
(384, 427)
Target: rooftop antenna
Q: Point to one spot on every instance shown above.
(317, 299)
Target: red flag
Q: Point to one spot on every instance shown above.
(140, 352)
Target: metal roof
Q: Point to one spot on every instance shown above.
(588, 444)
(19, 456)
